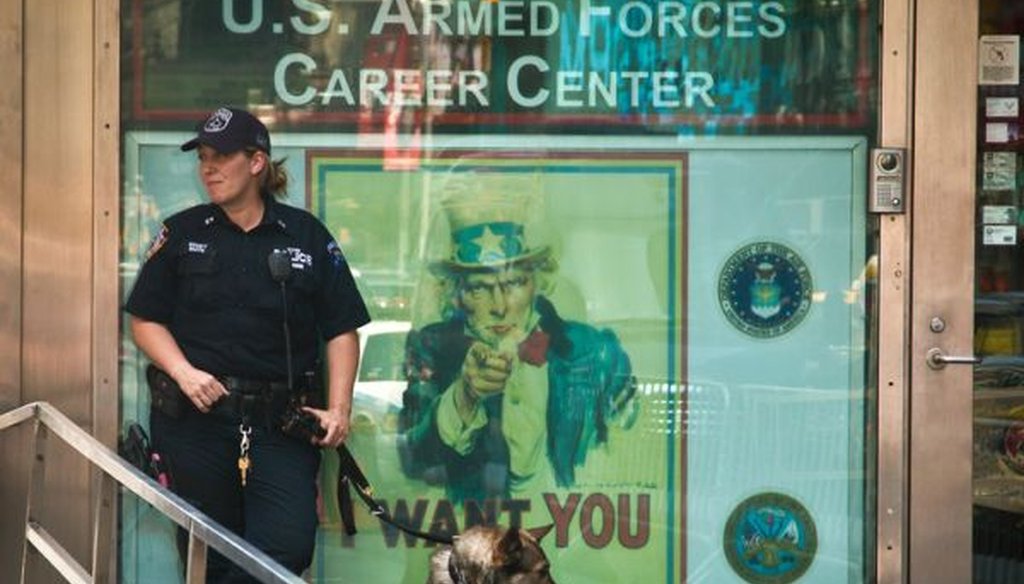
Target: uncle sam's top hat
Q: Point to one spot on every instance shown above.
(487, 214)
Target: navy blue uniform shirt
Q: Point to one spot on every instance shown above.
(209, 282)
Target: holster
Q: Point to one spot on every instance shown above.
(164, 394)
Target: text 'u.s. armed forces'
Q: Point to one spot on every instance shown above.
(591, 61)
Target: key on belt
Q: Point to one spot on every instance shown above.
(243, 451)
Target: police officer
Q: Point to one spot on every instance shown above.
(232, 305)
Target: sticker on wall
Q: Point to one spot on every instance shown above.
(765, 289)
(999, 171)
(998, 214)
(1002, 107)
(770, 538)
(999, 235)
(999, 60)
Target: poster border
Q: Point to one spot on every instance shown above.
(675, 162)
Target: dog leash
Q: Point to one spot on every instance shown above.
(349, 474)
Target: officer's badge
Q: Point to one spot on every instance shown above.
(158, 241)
(770, 538)
(765, 289)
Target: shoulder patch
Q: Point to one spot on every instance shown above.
(334, 250)
(158, 241)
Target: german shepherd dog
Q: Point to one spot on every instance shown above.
(492, 555)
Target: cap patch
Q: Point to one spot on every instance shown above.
(229, 130)
(218, 120)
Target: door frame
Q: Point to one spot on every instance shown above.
(896, 75)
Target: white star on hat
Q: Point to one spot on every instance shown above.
(490, 244)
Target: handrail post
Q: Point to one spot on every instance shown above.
(103, 529)
(35, 487)
(195, 570)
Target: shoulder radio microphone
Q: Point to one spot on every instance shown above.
(280, 263)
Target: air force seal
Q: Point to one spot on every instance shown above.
(770, 538)
(765, 289)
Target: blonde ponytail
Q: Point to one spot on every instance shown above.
(275, 179)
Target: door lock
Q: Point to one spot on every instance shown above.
(938, 360)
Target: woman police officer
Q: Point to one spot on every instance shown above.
(212, 313)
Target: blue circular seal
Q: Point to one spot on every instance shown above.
(764, 289)
(770, 538)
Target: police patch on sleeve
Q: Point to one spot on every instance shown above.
(334, 250)
(158, 241)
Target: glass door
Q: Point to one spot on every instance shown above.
(998, 448)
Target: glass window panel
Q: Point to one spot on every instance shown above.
(677, 192)
(997, 472)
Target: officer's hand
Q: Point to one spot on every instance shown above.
(485, 371)
(203, 389)
(335, 423)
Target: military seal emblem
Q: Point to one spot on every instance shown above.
(764, 289)
(770, 538)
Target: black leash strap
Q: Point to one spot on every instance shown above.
(345, 509)
(349, 473)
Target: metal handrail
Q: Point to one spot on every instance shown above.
(203, 531)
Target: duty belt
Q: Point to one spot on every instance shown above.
(258, 387)
(258, 400)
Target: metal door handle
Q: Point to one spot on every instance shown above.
(937, 359)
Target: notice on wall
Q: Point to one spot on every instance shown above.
(999, 171)
(1002, 107)
(999, 235)
(998, 214)
(999, 60)
(998, 133)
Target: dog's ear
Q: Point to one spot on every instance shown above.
(509, 551)
(538, 533)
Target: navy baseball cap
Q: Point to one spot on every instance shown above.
(229, 130)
